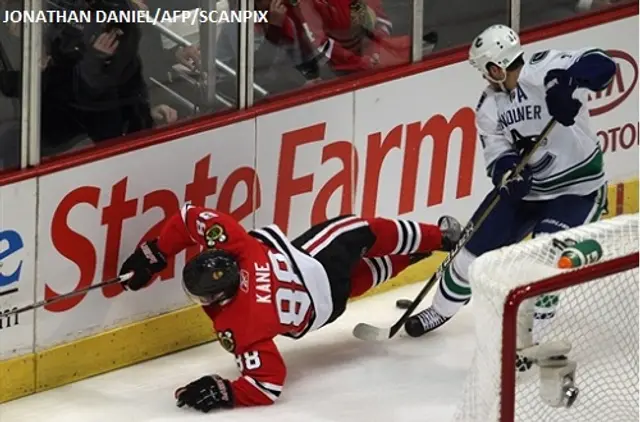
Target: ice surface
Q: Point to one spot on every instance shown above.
(332, 377)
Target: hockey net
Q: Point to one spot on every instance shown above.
(521, 299)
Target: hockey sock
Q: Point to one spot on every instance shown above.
(371, 272)
(454, 290)
(402, 237)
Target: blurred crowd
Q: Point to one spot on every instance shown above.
(104, 81)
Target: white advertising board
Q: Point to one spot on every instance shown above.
(17, 266)
(93, 216)
(305, 162)
(419, 138)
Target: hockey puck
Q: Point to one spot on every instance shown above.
(403, 303)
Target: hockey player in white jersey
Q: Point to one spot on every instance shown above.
(564, 183)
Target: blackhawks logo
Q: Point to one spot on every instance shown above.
(215, 235)
(226, 341)
(362, 16)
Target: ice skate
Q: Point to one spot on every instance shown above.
(424, 322)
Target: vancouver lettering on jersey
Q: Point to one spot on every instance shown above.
(521, 112)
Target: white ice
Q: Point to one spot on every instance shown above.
(332, 377)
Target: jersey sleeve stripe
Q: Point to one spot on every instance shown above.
(384, 271)
(417, 236)
(403, 237)
(184, 210)
(384, 21)
(326, 50)
(315, 249)
(375, 274)
(324, 233)
(383, 266)
(379, 269)
(399, 244)
(275, 388)
(408, 237)
(271, 393)
(389, 265)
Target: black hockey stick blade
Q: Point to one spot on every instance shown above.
(370, 332)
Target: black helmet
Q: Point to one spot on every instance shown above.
(212, 276)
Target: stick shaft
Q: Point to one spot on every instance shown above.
(46, 302)
(468, 231)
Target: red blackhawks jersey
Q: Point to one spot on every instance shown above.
(282, 292)
(346, 33)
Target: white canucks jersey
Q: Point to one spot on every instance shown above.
(570, 161)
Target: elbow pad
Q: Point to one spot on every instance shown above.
(594, 70)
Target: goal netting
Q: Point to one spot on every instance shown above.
(585, 317)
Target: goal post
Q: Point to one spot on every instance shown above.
(552, 344)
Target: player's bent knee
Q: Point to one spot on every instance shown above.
(549, 225)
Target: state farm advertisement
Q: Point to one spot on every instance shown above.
(92, 217)
(418, 146)
(406, 148)
(306, 160)
(17, 266)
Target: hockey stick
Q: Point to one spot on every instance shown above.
(46, 302)
(369, 332)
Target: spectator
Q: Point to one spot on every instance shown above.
(158, 61)
(10, 105)
(176, 66)
(92, 80)
(188, 56)
(348, 35)
(276, 53)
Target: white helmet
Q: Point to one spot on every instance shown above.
(498, 44)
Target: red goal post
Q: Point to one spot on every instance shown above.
(579, 326)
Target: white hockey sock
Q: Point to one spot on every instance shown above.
(454, 290)
(444, 306)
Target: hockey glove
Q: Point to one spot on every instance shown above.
(514, 189)
(206, 394)
(451, 231)
(145, 261)
(560, 87)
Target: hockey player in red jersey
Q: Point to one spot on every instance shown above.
(349, 35)
(257, 285)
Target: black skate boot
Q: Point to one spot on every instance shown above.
(425, 321)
